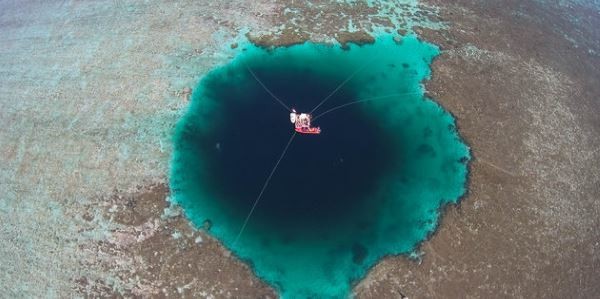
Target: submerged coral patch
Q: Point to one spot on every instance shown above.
(370, 185)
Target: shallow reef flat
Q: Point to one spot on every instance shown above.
(90, 93)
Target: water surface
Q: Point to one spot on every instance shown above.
(370, 185)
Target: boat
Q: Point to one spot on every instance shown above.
(302, 124)
(316, 130)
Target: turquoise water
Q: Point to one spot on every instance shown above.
(371, 185)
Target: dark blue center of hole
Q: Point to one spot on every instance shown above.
(323, 180)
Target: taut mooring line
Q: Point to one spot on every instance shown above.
(344, 83)
(269, 91)
(263, 189)
(365, 100)
(338, 88)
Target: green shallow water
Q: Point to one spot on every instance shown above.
(371, 185)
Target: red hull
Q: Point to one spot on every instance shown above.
(308, 130)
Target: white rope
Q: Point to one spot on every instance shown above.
(343, 83)
(265, 87)
(364, 100)
(263, 189)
